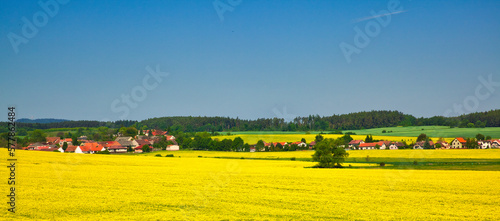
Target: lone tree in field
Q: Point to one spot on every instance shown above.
(421, 137)
(480, 137)
(330, 153)
(259, 146)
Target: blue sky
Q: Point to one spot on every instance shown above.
(263, 59)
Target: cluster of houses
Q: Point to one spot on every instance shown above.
(457, 143)
(123, 144)
(120, 145)
(300, 144)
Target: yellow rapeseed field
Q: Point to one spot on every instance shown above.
(57, 186)
(404, 153)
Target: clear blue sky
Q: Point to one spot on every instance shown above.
(261, 58)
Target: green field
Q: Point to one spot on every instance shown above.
(464, 159)
(432, 131)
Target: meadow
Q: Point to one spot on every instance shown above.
(59, 186)
(254, 138)
(408, 134)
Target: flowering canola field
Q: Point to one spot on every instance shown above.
(254, 138)
(117, 187)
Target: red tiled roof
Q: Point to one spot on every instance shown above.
(71, 148)
(354, 142)
(52, 139)
(368, 144)
(461, 140)
(85, 148)
(91, 147)
(67, 140)
(142, 142)
(140, 147)
(111, 143)
(114, 147)
(158, 132)
(42, 147)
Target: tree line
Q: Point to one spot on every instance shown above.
(351, 121)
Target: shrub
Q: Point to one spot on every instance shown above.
(158, 155)
(242, 158)
(200, 156)
(415, 162)
(382, 164)
(292, 159)
(169, 155)
(103, 152)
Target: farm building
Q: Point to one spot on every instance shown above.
(458, 143)
(355, 143)
(117, 149)
(173, 147)
(396, 145)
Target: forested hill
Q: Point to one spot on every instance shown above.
(352, 121)
(40, 121)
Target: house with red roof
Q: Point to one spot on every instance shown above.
(384, 144)
(52, 140)
(355, 143)
(421, 144)
(444, 144)
(312, 144)
(42, 147)
(367, 146)
(484, 144)
(143, 142)
(458, 143)
(158, 132)
(396, 145)
(300, 144)
(82, 149)
(69, 141)
(138, 149)
(495, 144)
(71, 149)
(93, 147)
(117, 149)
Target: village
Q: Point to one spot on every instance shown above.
(157, 140)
